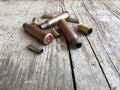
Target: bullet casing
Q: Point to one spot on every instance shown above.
(55, 33)
(74, 20)
(53, 21)
(35, 48)
(69, 34)
(45, 37)
(35, 21)
(48, 16)
(85, 29)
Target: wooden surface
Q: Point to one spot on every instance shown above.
(94, 66)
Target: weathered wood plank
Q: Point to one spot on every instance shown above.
(105, 42)
(113, 39)
(88, 74)
(21, 69)
(112, 6)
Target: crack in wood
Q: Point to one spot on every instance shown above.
(93, 49)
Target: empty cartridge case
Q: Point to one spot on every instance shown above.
(69, 34)
(55, 33)
(35, 21)
(48, 16)
(74, 20)
(53, 21)
(45, 37)
(35, 48)
(85, 29)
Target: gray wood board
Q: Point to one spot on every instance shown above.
(22, 69)
(88, 74)
(94, 66)
(105, 43)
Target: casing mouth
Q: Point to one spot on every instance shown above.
(41, 51)
(78, 45)
(55, 33)
(35, 48)
(84, 29)
(58, 36)
(24, 25)
(90, 31)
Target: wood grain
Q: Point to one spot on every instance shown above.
(88, 74)
(21, 69)
(105, 26)
(112, 6)
(94, 66)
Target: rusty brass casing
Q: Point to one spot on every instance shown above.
(35, 21)
(69, 34)
(74, 20)
(48, 16)
(35, 48)
(45, 37)
(55, 33)
(53, 21)
(85, 29)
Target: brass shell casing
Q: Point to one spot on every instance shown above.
(35, 48)
(35, 21)
(48, 16)
(53, 21)
(85, 29)
(74, 20)
(55, 33)
(69, 34)
(45, 37)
